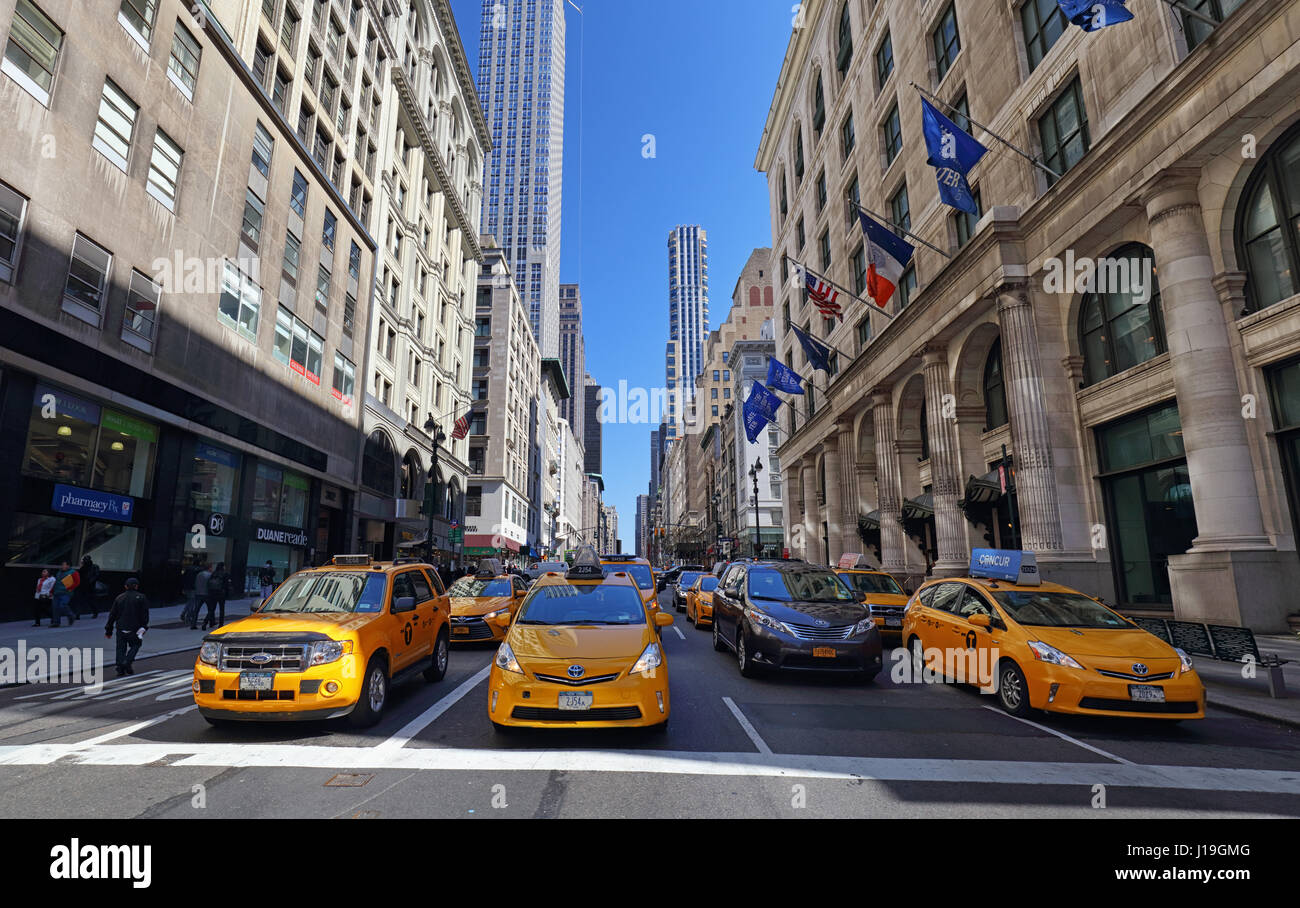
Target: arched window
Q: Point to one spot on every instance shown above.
(1119, 322)
(412, 476)
(453, 501)
(844, 55)
(798, 154)
(378, 465)
(995, 392)
(819, 108)
(1268, 224)
(925, 432)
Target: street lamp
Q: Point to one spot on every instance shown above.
(753, 475)
(438, 438)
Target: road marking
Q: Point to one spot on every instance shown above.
(679, 632)
(132, 729)
(748, 728)
(986, 772)
(1064, 737)
(426, 718)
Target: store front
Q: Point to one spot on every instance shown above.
(1284, 393)
(1148, 497)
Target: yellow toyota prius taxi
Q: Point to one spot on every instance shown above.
(884, 598)
(1047, 646)
(582, 652)
(641, 573)
(329, 642)
(480, 597)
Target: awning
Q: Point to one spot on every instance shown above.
(919, 508)
(485, 541)
(869, 522)
(984, 489)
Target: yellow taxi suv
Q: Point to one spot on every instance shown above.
(478, 598)
(882, 595)
(1043, 646)
(641, 572)
(699, 601)
(582, 652)
(329, 642)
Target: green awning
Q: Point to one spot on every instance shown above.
(919, 508)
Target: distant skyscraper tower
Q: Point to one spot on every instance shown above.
(521, 88)
(573, 356)
(688, 316)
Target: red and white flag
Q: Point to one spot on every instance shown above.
(462, 427)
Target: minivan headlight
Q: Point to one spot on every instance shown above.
(650, 659)
(863, 626)
(329, 651)
(506, 661)
(765, 620)
(210, 653)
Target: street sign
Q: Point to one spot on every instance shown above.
(455, 535)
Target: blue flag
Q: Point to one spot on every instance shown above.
(782, 377)
(759, 409)
(818, 353)
(952, 153)
(1091, 15)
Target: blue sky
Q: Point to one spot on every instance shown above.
(698, 77)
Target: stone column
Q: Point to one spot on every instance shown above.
(808, 473)
(893, 556)
(941, 410)
(1031, 440)
(831, 464)
(848, 503)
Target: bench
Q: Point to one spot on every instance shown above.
(1221, 642)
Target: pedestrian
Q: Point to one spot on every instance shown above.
(218, 592)
(201, 596)
(130, 612)
(44, 596)
(66, 580)
(266, 577)
(187, 587)
(83, 598)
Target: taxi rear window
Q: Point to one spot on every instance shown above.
(472, 587)
(582, 604)
(640, 572)
(871, 583)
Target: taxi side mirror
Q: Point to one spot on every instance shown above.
(403, 604)
(980, 621)
(663, 619)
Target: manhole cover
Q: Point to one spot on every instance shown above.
(349, 780)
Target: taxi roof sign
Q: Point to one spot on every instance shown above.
(852, 560)
(351, 560)
(1011, 565)
(586, 565)
(489, 567)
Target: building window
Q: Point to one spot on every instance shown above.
(378, 465)
(32, 52)
(821, 191)
(819, 109)
(328, 231)
(345, 379)
(884, 61)
(965, 221)
(1197, 30)
(864, 333)
(86, 289)
(825, 244)
(1043, 23)
(241, 302)
(251, 229)
(137, 16)
(947, 43)
(262, 63)
(847, 137)
(900, 209)
(995, 394)
(478, 461)
(906, 287)
(263, 148)
(799, 234)
(140, 317)
(798, 154)
(13, 212)
(891, 132)
(292, 250)
(844, 49)
(1063, 130)
(1268, 244)
(478, 423)
(116, 124)
(323, 279)
(298, 195)
(860, 270)
(1120, 324)
(164, 170)
(183, 65)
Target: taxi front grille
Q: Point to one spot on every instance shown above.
(600, 714)
(288, 657)
(1138, 706)
(478, 628)
(574, 682)
(812, 632)
(886, 611)
(1162, 676)
(257, 695)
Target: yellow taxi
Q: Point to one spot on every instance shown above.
(880, 592)
(479, 597)
(329, 642)
(699, 601)
(1045, 646)
(582, 652)
(641, 572)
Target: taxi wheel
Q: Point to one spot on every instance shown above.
(438, 669)
(743, 661)
(717, 639)
(917, 651)
(374, 694)
(1013, 692)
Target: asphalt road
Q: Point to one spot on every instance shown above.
(789, 745)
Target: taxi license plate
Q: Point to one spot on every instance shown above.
(824, 652)
(256, 680)
(1146, 694)
(893, 622)
(460, 630)
(576, 701)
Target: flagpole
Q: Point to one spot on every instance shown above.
(870, 306)
(1191, 12)
(886, 220)
(1028, 157)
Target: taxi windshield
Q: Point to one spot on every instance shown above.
(689, 578)
(473, 587)
(329, 591)
(804, 586)
(639, 572)
(872, 583)
(605, 603)
(709, 583)
(1041, 608)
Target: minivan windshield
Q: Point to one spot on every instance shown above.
(329, 591)
(804, 586)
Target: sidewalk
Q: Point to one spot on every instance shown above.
(166, 633)
(1227, 689)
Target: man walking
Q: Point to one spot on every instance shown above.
(187, 588)
(266, 577)
(130, 612)
(83, 599)
(64, 583)
(218, 591)
(201, 596)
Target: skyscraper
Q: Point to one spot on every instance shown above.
(688, 317)
(573, 354)
(521, 88)
(591, 441)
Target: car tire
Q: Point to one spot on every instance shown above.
(718, 643)
(916, 652)
(437, 670)
(374, 694)
(743, 661)
(700, 627)
(1013, 690)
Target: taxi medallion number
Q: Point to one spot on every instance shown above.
(1146, 694)
(576, 701)
(256, 680)
(824, 652)
(893, 622)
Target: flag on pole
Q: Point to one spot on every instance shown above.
(952, 154)
(462, 428)
(822, 292)
(818, 353)
(782, 377)
(887, 259)
(758, 410)
(1091, 15)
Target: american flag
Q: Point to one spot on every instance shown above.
(823, 294)
(462, 427)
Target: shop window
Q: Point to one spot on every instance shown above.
(124, 455)
(379, 465)
(61, 437)
(215, 479)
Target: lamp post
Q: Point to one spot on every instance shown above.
(753, 475)
(438, 438)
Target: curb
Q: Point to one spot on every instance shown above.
(1252, 712)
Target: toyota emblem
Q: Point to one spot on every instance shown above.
(576, 671)
(260, 658)
(1139, 668)
(821, 623)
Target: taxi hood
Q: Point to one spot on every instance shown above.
(331, 623)
(478, 605)
(576, 642)
(1117, 642)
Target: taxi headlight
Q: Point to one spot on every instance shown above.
(506, 660)
(651, 658)
(864, 626)
(1186, 659)
(329, 651)
(1050, 654)
(765, 620)
(210, 653)
(497, 614)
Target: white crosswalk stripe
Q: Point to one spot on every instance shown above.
(160, 685)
